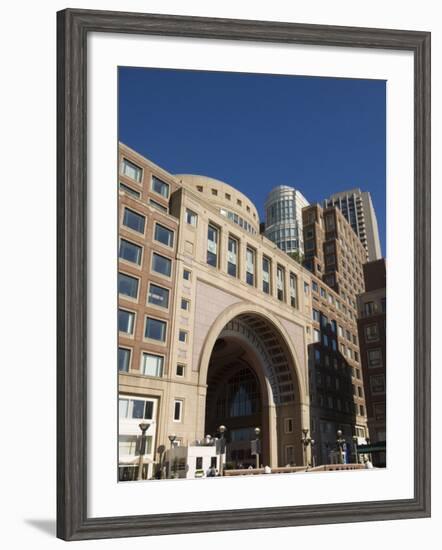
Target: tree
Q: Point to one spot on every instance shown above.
(297, 256)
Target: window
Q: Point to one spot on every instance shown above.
(379, 411)
(340, 331)
(330, 259)
(161, 265)
(126, 321)
(288, 425)
(130, 252)
(325, 340)
(323, 293)
(158, 296)
(215, 192)
(306, 288)
(369, 308)
(133, 220)
(360, 393)
(315, 315)
(199, 459)
(128, 286)
(377, 384)
(158, 206)
(324, 321)
(180, 369)
(232, 257)
(348, 335)
(186, 274)
(177, 410)
(182, 336)
(130, 445)
(330, 223)
(371, 332)
(212, 246)
(361, 410)
(316, 335)
(356, 356)
(266, 266)
(160, 187)
(191, 217)
(129, 190)
(163, 235)
(131, 170)
(137, 409)
(374, 357)
(123, 359)
(155, 329)
(280, 283)
(315, 286)
(153, 365)
(333, 326)
(250, 266)
(228, 196)
(199, 188)
(185, 304)
(293, 290)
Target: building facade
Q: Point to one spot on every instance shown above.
(335, 257)
(357, 207)
(283, 223)
(214, 322)
(372, 335)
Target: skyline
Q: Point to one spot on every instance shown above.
(254, 132)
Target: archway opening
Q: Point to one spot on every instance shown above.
(252, 383)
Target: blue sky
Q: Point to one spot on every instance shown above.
(320, 135)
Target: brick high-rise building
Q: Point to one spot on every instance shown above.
(372, 336)
(357, 207)
(335, 256)
(333, 253)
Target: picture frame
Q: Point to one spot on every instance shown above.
(73, 27)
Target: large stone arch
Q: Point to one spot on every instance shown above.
(249, 308)
(280, 371)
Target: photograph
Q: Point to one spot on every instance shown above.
(251, 274)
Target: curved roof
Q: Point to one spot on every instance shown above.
(223, 195)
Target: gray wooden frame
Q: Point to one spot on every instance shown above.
(73, 27)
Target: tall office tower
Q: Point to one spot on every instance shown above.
(283, 209)
(357, 207)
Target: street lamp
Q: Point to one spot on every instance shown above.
(172, 464)
(257, 446)
(222, 448)
(340, 443)
(144, 426)
(355, 444)
(306, 441)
